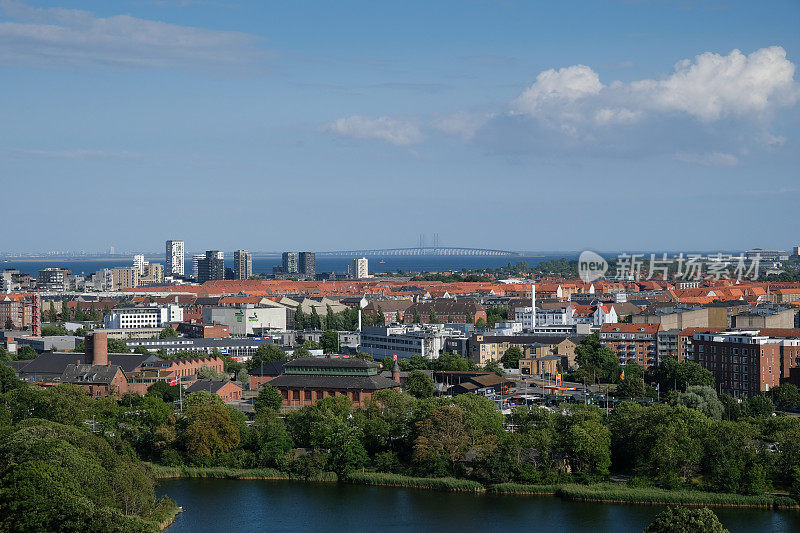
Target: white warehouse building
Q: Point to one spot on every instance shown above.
(248, 319)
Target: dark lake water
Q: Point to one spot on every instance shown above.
(252, 505)
(432, 263)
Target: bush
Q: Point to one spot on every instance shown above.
(683, 520)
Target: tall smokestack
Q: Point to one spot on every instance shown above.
(533, 307)
(96, 348)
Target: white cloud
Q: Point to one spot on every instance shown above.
(398, 132)
(713, 86)
(713, 159)
(565, 84)
(56, 37)
(616, 115)
(461, 124)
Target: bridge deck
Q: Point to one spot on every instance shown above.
(419, 251)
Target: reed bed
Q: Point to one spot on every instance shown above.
(607, 492)
(448, 484)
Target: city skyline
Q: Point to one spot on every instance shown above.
(501, 125)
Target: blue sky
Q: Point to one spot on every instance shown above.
(275, 125)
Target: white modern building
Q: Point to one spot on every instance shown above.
(567, 315)
(174, 258)
(143, 317)
(360, 268)
(139, 263)
(427, 340)
(248, 319)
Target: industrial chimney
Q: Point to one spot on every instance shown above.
(396, 370)
(96, 346)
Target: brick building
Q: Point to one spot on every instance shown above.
(744, 363)
(632, 343)
(304, 381)
(15, 312)
(227, 390)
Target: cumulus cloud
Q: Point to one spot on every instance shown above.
(56, 37)
(565, 84)
(394, 131)
(714, 159)
(703, 112)
(713, 85)
(708, 88)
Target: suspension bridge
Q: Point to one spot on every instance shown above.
(419, 250)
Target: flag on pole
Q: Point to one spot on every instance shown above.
(174, 381)
(622, 376)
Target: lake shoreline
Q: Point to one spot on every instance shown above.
(597, 493)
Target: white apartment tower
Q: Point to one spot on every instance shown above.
(174, 258)
(139, 263)
(360, 268)
(242, 264)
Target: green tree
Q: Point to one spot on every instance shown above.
(167, 333)
(786, 396)
(493, 366)
(162, 389)
(418, 384)
(272, 440)
(452, 362)
(8, 379)
(432, 318)
(26, 352)
(269, 399)
(511, 358)
(117, 346)
(300, 352)
(415, 318)
(380, 318)
(330, 341)
(64, 310)
(632, 386)
(141, 350)
(759, 406)
(61, 478)
(596, 362)
(209, 430)
(207, 372)
(316, 322)
(266, 353)
(702, 398)
(300, 319)
(52, 312)
(686, 520)
(672, 375)
(586, 442)
(398, 318)
(442, 441)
